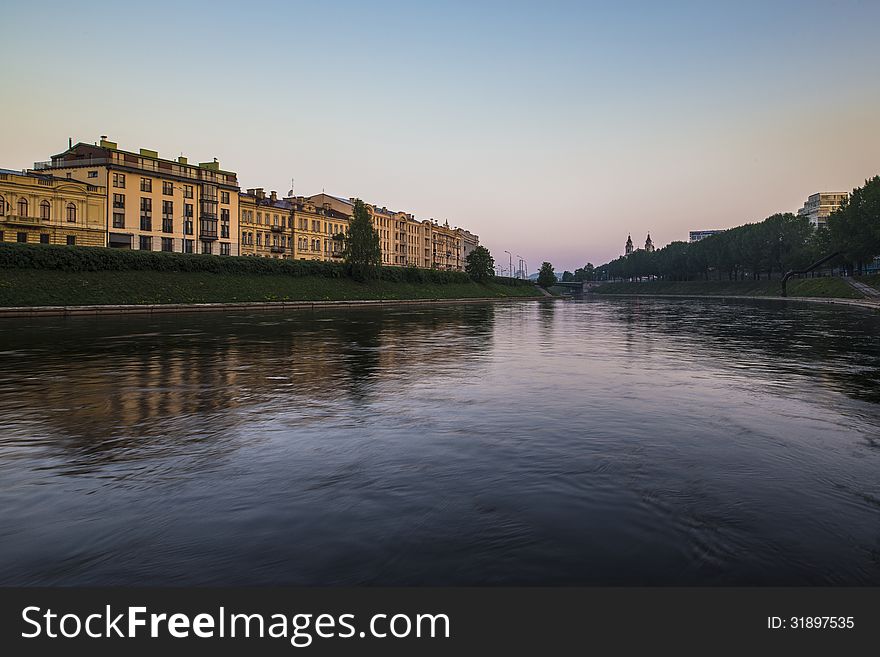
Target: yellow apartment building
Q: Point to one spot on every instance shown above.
(407, 241)
(43, 209)
(446, 244)
(469, 242)
(318, 225)
(156, 204)
(266, 225)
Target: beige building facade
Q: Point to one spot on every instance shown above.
(149, 203)
(43, 209)
(157, 204)
(406, 241)
(266, 225)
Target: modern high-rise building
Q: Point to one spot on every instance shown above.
(156, 204)
(819, 206)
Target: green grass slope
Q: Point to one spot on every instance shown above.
(32, 287)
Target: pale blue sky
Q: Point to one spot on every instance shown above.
(551, 129)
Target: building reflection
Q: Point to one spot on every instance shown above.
(118, 388)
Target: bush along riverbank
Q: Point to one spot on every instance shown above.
(826, 287)
(40, 275)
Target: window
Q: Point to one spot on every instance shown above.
(259, 239)
(119, 220)
(44, 210)
(224, 197)
(21, 237)
(146, 184)
(22, 207)
(167, 244)
(146, 243)
(167, 188)
(71, 240)
(44, 238)
(167, 216)
(187, 219)
(146, 214)
(71, 213)
(207, 247)
(224, 248)
(260, 218)
(187, 191)
(119, 181)
(2, 206)
(224, 223)
(187, 246)
(93, 174)
(119, 201)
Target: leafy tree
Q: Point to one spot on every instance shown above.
(479, 264)
(855, 226)
(546, 277)
(362, 252)
(567, 277)
(585, 273)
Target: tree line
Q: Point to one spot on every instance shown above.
(769, 248)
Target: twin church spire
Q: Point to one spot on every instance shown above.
(628, 249)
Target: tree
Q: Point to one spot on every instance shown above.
(479, 264)
(567, 277)
(362, 252)
(546, 277)
(855, 226)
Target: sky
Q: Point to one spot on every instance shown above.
(550, 129)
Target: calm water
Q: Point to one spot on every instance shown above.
(561, 442)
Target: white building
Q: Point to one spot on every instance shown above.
(820, 205)
(697, 235)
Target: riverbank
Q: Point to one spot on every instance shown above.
(23, 289)
(826, 287)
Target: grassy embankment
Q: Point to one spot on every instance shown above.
(29, 287)
(805, 287)
(32, 275)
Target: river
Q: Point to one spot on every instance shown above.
(602, 441)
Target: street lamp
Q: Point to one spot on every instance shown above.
(510, 269)
(519, 273)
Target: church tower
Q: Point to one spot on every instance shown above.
(649, 245)
(629, 245)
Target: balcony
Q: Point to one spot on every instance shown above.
(18, 220)
(277, 249)
(62, 164)
(277, 229)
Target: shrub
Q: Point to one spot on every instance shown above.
(88, 258)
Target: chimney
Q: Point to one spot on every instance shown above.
(260, 192)
(273, 195)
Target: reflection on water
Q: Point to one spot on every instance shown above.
(609, 441)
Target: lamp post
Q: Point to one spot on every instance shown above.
(510, 269)
(520, 272)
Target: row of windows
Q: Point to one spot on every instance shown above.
(23, 208)
(206, 247)
(146, 185)
(44, 238)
